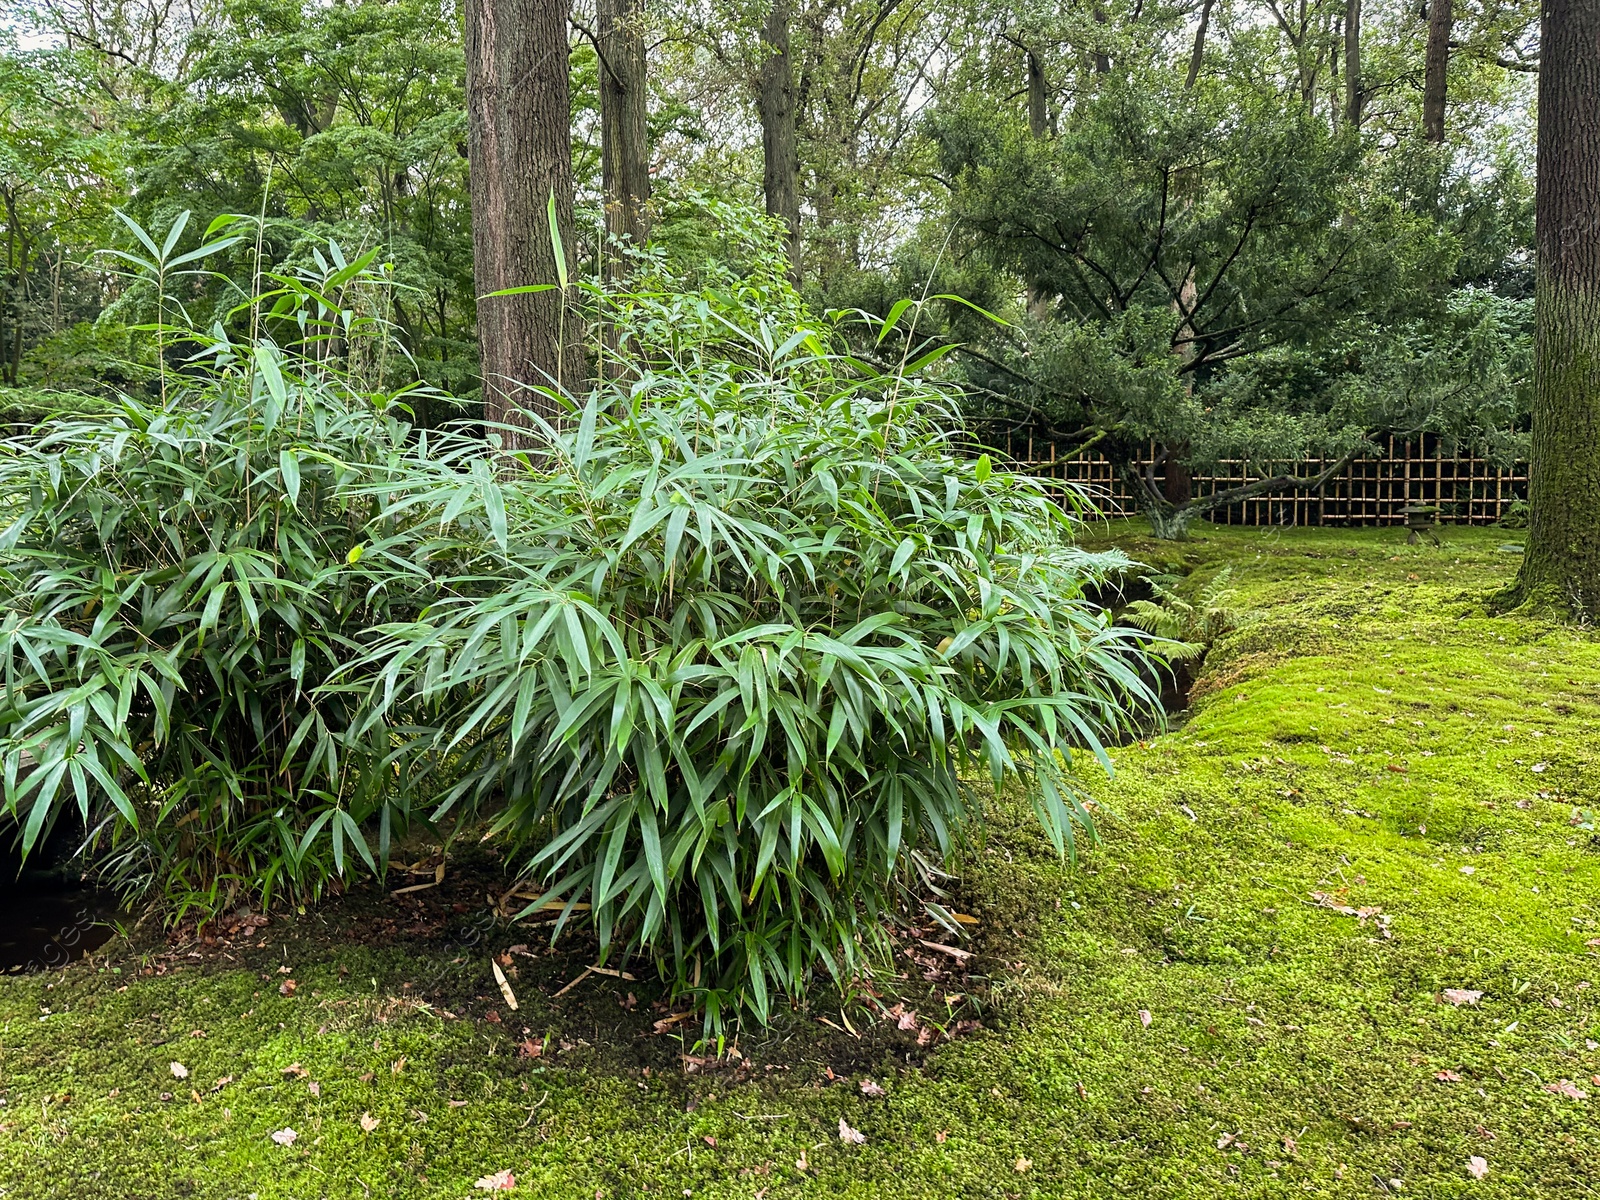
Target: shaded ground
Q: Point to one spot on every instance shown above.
(1381, 795)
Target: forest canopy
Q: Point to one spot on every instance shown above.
(1209, 228)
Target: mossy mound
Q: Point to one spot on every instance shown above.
(1379, 803)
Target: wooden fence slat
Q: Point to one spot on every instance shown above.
(1467, 489)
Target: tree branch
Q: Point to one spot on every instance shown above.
(1277, 483)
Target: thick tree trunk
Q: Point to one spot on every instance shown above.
(1102, 60)
(1198, 54)
(1038, 98)
(519, 151)
(1177, 481)
(1562, 567)
(1436, 69)
(624, 135)
(1170, 524)
(781, 159)
(1354, 98)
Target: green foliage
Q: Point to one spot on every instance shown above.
(1463, 373)
(1223, 274)
(344, 122)
(1168, 234)
(177, 578)
(727, 654)
(1187, 627)
(1336, 997)
(59, 177)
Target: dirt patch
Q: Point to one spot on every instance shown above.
(449, 931)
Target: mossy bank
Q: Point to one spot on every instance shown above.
(1378, 804)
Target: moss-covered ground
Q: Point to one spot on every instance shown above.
(1378, 796)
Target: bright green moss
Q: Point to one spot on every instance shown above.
(1368, 732)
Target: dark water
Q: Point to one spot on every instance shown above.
(49, 924)
(48, 916)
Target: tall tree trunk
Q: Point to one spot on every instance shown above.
(1038, 98)
(1436, 69)
(624, 136)
(1197, 55)
(1102, 60)
(1177, 482)
(1561, 569)
(781, 159)
(1354, 98)
(1038, 304)
(519, 153)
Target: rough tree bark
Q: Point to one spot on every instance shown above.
(624, 135)
(519, 152)
(1354, 98)
(781, 159)
(1038, 98)
(1561, 570)
(1436, 69)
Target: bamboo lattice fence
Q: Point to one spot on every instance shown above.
(1467, 490)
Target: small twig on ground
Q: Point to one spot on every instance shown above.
(587, 971)
(533, 1110)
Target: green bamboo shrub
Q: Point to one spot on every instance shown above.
(179, 574)
(729, 653)
(729, 656)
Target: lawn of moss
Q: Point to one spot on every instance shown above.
(1371, 801)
